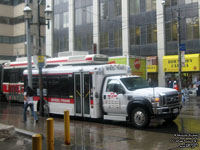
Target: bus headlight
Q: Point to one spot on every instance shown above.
(155, 101)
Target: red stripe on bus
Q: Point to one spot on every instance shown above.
(13, 88)
(89, 58)
(50, 74)
(57, 61)
(56, 100)
(21, 64)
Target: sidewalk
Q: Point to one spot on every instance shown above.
(96, 136)
(18, 139)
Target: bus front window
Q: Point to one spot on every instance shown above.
(133, 83)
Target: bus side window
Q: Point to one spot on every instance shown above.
(53, 86)
(6, 76)
(66, 86)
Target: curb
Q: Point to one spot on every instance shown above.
(26, 133)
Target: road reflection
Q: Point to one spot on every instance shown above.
(99, 135)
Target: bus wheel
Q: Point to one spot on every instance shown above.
(140, 118)
(45, 108)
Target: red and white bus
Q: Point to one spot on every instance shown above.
(106, 91)
(76, 88)
(12, 81)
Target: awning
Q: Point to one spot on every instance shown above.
(192, 63)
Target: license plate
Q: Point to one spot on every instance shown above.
(175, 110)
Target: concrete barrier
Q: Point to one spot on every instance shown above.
(6, 131)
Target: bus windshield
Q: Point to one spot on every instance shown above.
(133, 83)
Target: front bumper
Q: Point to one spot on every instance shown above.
(167, 110)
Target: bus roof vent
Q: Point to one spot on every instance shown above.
(71, 53)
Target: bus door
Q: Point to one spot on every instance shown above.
(82, 94)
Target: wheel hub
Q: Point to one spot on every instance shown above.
(139, 118)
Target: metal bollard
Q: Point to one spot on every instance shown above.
(50, 134)
(37, 142)
(67, 127)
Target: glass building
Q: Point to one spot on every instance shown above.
(142, 26)
(126, 27)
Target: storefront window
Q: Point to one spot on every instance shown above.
(89, 41)
(190, 1)
(192, 28)
(171, 31)
(118, 38)
(196, 29)
(79, 16)
(104, 39)
(65, 19)
(135, 35)
(56, 22)
(89, 14)
(57, 2)
(117, 4)
(134, 7)
(174, 31)
(169, 3)
(78, 43)
(151, 33)
(66, 45)
(104, 10)
(150, 5)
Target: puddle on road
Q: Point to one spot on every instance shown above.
(188, 125)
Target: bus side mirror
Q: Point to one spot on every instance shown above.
(123, 92)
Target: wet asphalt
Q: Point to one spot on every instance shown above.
(107, 135)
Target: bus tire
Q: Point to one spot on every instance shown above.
(45, 108)
(140, 118)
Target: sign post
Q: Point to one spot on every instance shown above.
(40, 66)
(182, 50)
(40, 61)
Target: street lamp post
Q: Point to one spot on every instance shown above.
(28, 16)
(48, 13)
(179, 52)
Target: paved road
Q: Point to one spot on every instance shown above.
(90, 135)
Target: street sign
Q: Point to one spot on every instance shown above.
(182, 47)
(183, 58)
(40, 61)
(40, 65)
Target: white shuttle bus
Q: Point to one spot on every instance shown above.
(104, 91)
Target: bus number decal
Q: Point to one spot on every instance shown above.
(61, 100)
(56, 100)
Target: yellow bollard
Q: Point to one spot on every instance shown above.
(67, 127)
(50, 134)
(37, 142)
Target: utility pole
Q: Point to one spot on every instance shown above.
(40, 67)
(28, 15)
(179, 52)
(29, 60)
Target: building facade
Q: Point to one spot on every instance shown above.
(126, 27)
(12, 29)
(113, 27)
